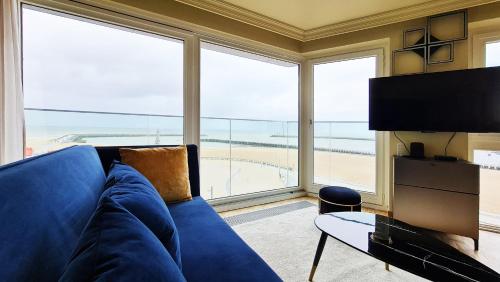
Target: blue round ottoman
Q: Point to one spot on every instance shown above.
(337, 199)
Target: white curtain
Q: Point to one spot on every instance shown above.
(11, 96)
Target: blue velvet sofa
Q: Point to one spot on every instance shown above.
(46, 201)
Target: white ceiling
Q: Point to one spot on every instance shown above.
(309, 14)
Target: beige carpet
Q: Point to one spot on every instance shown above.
(287, 242)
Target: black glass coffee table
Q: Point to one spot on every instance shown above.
(399, 244)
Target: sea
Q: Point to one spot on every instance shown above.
(44, 128)
(115, 129)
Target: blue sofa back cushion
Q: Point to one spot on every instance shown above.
(45, 202)
(110, 153)
(136, 194)
(116, 246)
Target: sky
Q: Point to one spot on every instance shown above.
(70, 64)
(79, 65)
(341, 89)
(234, 86)
(493, 54)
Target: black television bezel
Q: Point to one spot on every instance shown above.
(484, 128)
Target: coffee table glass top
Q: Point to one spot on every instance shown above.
(404, 246)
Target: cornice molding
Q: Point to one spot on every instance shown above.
(394, 16)
(246, 16)
(234, 12)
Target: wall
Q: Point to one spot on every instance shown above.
(434, 142)
(201, 17)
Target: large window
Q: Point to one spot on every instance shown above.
(485, 148)
(86, 82)
(249, 122)
(344, 148)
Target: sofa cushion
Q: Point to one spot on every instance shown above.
(109, 153)
(166, 167)
(116, 246)
(45, 202)
(211, 250)
(136, 194)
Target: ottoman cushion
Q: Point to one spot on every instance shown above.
(340, 195)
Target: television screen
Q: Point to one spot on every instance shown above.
(461, 101)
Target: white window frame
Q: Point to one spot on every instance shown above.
(477, 59)
(379, 49)
(255, 49)
(84, 12)
(477, 53)
(478, 46)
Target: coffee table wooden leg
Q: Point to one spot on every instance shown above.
(386, 266)
(319, 251)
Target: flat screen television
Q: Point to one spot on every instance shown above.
(453, 101)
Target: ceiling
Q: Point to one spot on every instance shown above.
(309, 14)
(307, 20)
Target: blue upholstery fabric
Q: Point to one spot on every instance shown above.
(116, 246)
(108, 154)
(341, 196)
(211, 250)
(45, 203)
(136, 194)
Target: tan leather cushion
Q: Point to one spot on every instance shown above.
(165, 167)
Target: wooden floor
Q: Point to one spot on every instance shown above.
(489, 242)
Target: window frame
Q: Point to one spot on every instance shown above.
(85, 13)
(272, 55)
(379, 199)
(481, 36)
(478, 46)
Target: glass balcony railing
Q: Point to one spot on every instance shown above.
(344, 154)
(238, 156)
(250, 156)
(48, 130)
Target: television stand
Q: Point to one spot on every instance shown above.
(438, 195)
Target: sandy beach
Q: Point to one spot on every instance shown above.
(489, 197)
(353, 169)
(349, 169)
(256, 169)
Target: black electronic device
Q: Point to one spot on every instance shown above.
(417, 150)
(452, 101)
